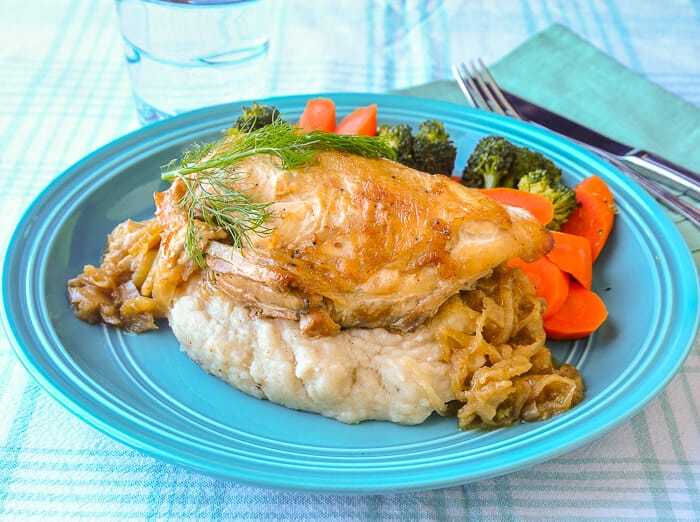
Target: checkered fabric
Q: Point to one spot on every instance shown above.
(65, 92)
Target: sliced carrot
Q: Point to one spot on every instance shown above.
(319, 114)
(582, 314)
(540, 207)
(362, 121)
(595, 215)
(596, 185)
(573, 255)
(550, 282)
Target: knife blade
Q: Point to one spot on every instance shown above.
(651, 165)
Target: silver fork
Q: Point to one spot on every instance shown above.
(482, 91)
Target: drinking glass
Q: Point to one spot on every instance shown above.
(187, 54)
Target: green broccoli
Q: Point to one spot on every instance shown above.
(429, 150)
(528, 160)
(472, 179)
(433, 151)
(400, 139)
(490, 163)
(496, 162)
(255, 117)
(562, 197)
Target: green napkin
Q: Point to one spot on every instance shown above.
(559, 70)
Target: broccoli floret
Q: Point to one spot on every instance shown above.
(496, 162)
(490, 163)
(528, 160)
(433, 151)
(472, 179)
(400, 139)
(562, 197)
(429, 150)
(255, 117)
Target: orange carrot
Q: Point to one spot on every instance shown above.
(595, 215)
(573, 255)
(582, 313)
(539, 206)
(319, 114)
(362, 121)
(550, 282)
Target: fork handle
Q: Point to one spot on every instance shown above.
(691, 212)
(664, 171)
(686, 209)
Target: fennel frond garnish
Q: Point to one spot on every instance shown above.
(215, 191)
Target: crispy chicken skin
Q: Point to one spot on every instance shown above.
(361, 242)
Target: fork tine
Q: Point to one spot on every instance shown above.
(484, 87)
(480, 88)
(469, 89)
(462, 84)
(476, 88)
(503, 102)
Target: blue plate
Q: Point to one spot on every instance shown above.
(142, 391)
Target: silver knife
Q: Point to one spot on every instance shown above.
(648, 164)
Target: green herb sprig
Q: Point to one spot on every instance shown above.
(211, 199)
(211, 180)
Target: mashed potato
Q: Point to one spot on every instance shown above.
(355, 375)
(482, 357)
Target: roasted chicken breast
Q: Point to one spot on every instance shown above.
(359, 242)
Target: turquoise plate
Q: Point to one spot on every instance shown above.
(142, 391)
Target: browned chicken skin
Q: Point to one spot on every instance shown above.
(361, 242)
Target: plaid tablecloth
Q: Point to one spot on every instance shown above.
(64, 92)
